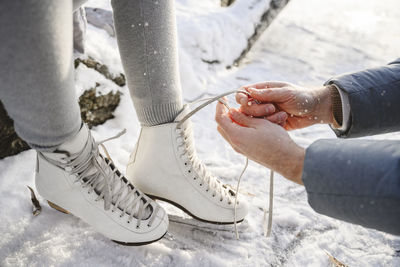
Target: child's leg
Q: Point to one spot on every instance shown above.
(147, 40)
(37, 89)
(36, 74)
(164, 163)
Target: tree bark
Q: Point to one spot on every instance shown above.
(266, 19)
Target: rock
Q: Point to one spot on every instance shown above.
(226, 3)
(10, 142)
(96, 110)
(103, 69)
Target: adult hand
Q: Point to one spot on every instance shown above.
(304, 106)
(261, 141)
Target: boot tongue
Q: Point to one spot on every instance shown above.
(146, 213)
(117, 185)
(183, 113)
(76, 143)
(73, 145)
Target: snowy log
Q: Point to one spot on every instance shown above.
(266, 19)
(103, 19)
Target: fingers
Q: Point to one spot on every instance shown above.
(260, 110)
(242, 119)
(268, 84)
(278, 118)
(230, 131)
(223, 119)
(241, 98)
(270, 94)
(226, 137)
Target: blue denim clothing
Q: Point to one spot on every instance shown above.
(356, 180)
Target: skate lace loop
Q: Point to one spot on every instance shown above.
(186, 145)
(186, 142)
(99, 174)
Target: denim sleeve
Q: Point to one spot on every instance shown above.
(374, 98)
(357, 181)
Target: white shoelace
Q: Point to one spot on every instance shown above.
(100, 175)
(212, 181)
(188, 153)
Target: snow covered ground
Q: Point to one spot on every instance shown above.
(309, 42)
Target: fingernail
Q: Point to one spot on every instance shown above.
(249, 103)
(270, 109)
(243, 100)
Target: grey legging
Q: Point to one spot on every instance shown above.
(37, 76)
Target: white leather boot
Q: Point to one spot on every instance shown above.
(77, 179)
(164, 165)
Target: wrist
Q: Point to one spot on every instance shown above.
(324, 109)
(291, 167)
(297, 165)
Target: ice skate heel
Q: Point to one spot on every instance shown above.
(54, 206)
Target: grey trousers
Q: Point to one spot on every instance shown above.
(37, 75)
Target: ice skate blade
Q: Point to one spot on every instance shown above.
(133, 244)
(189, 213)
(54, 206)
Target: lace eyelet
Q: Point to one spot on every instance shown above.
(137, 226)
(194, 178)
(201, 184)
(148, 225)
(128, 221)
(221, 200)
(68, 169)
(185, 163)
(207, 190)
(213, 195)
(189, 171)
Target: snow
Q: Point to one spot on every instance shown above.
(309, 42)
